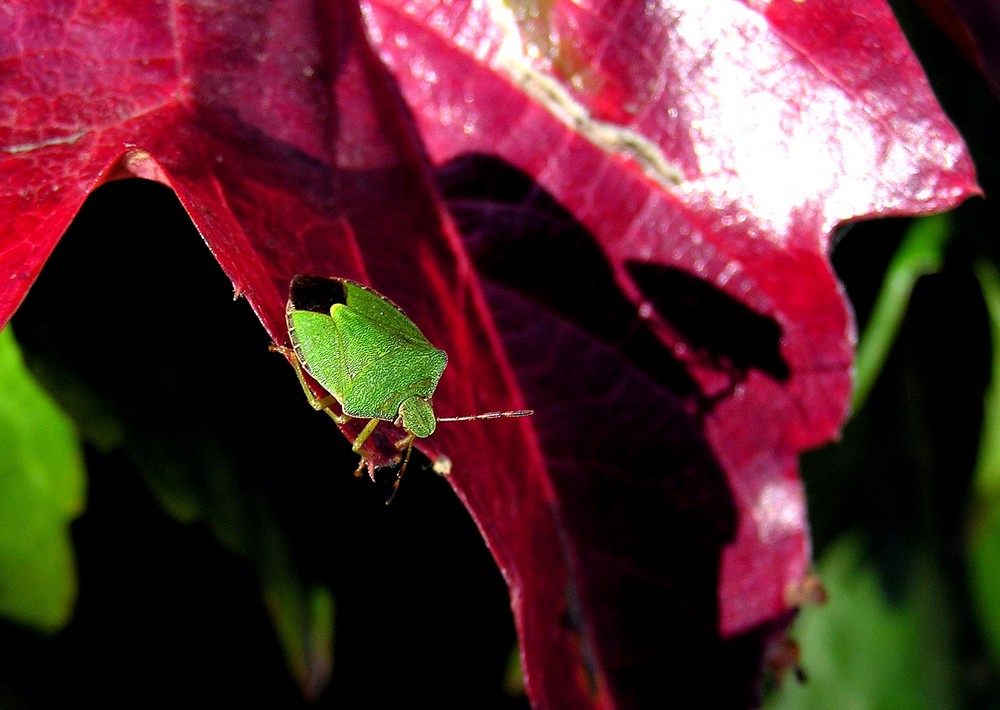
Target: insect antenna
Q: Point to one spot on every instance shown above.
(489, 415)
(409, 440)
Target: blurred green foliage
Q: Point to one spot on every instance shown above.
(905, 508)
(41, 490)
(921, 253)
(858, 647)
(983, 542)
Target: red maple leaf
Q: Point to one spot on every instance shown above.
(616, 213)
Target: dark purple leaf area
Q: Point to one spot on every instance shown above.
(617, 214)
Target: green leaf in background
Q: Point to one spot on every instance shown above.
(983, 546)
(210, 485)
(42, 489)
(513, 677)
(217, 462)
(921, 253)
(862, 650)
(303, 620)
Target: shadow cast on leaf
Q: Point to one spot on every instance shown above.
(646, 508)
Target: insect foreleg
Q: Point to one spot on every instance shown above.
(318, 403)
(363, 435)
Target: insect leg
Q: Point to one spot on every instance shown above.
(408, 443)
(317, 403)
(359, 441)
(362, 437)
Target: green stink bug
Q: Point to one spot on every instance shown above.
(370, 357)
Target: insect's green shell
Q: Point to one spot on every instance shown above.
(370, 356)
